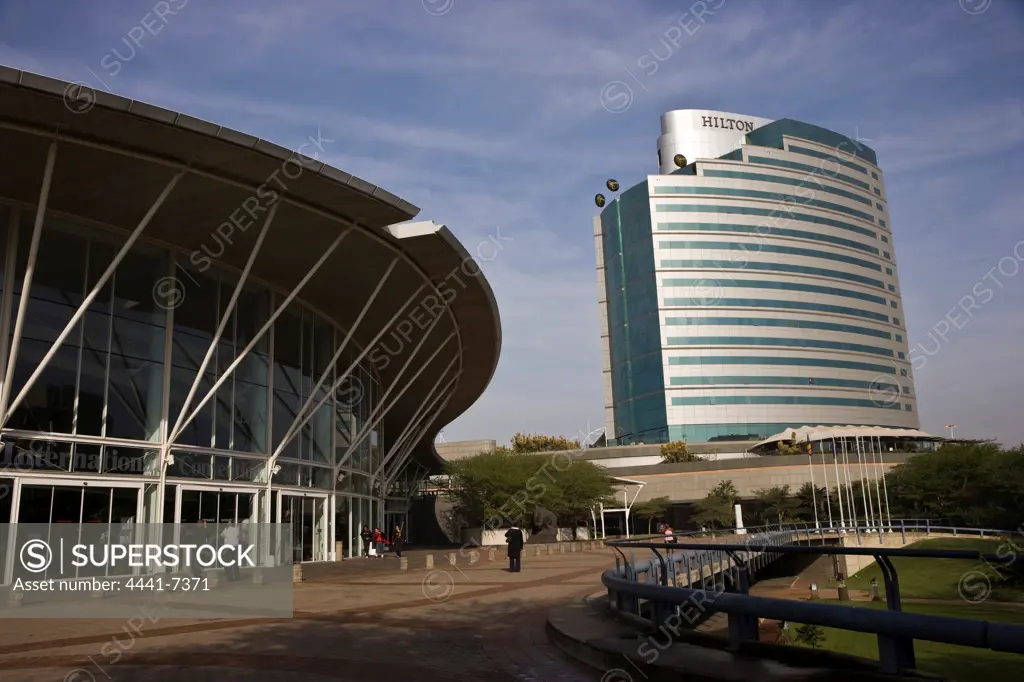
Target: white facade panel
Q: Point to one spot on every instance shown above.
(701, 134)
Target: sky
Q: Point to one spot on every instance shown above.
(505, 117)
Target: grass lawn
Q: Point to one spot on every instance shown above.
(962, 664)
(939, 578)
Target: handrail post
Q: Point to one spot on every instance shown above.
(742, 627)
(895, 653)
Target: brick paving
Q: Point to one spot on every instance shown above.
(467, 622)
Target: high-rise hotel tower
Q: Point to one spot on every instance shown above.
(751, 286)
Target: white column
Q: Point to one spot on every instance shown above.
(740, 530)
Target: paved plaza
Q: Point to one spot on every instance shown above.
(360, 620)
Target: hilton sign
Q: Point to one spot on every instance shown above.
(727, 123)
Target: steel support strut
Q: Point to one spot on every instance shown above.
(30, 266)
(355, 363)
(377, 415)
(428, 402)
(407, 449)
(381, 409)
(416, 427)
(89, 298)
(259, 335)
(304, 414)
(221, 326)
(411, 443)
(225, 319)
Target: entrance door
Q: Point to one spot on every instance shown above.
(43, 502)
(309, 522)
(392, 519)
(217, 507)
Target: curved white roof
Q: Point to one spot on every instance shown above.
(816, 433)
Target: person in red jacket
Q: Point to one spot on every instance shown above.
(378, 541)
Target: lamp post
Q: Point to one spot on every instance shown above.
(951, 427)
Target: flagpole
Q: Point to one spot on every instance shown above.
(810, 470)
(824, 473)
(839, 485)
(885, 488)
(851, 507)
(878, 487)
(865, 488)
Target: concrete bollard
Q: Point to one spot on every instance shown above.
(403, 563)
(430, 561)
(538, 551)
(15, 598)
(213, 577)
(297, 576)
(550, 551)
(474, 556)
(561, 548)
(452, 556)
(257, 576)
(492, 554)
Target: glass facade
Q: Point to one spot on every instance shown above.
(793, 206)
(84, 441)
(635, 339)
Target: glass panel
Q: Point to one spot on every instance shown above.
(195, 322)
(57, 286)
(135, 385)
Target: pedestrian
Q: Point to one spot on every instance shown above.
(514, 538)
(670, 536)
(378, 542)
(230, 539)
(397, 540)
(365, 536)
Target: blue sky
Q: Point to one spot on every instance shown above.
(488, 114)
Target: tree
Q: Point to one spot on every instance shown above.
(804, 502)
(717, 509)
(810, 635)
(775, 504)
(578, 489)
(654, 508)
(535, 442)
(791, 447)
(504, 487)
(973, 484)
(676, 453)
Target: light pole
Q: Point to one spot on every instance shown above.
(951, 427)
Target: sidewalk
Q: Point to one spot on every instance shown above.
(467, 622)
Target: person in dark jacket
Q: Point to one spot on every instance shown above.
(514, 538)
(397, 541)
(366, 536)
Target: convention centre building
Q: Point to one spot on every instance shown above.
(203, 326)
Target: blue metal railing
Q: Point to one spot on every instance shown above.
(666, 583)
